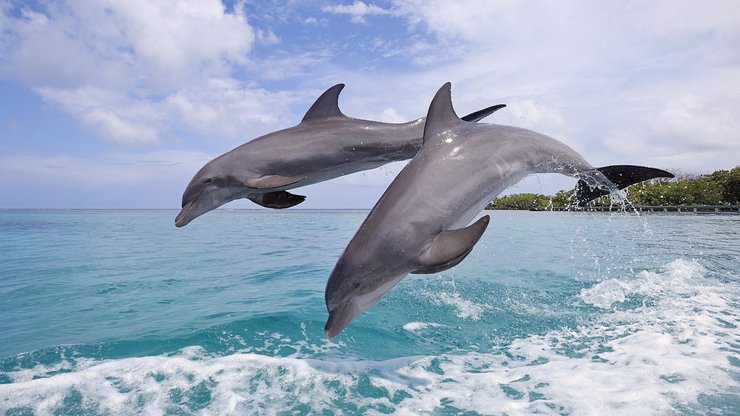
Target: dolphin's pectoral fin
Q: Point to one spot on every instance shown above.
(277, 200)
(272, 181)
(481, 114)
(620, 175)
(450, 247)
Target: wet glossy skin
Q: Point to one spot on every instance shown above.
(459, 169)
(317, 150)
(325, 145)
(325, 148)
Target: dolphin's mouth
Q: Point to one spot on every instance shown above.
(183, 218)
(339, 318)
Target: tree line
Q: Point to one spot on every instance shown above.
(721, 187)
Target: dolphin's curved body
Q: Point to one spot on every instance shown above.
(325, 145)
(419, 224)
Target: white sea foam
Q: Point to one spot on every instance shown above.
(604, 294)
(417, 326)
(655, 358)
(679, 280)
(465, 308)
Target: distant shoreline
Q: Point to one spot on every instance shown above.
(695, 209)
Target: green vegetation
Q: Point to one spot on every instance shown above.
(521, 201)
(721, 187)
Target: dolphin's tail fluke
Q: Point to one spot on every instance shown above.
(590, 187)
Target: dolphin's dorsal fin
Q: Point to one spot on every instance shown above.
(327, 105)
(441, 116)
(272, 181)
(481, 114)
(450, 247)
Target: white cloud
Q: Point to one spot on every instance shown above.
(112, 125)
(226, 108)
(281, 65)
(159, 46)
(357, 10)
(114, 114)
(650, 82)
(179, 41)
(267, 37)
(535, 113)
(122, 66)
(390, 115)
(670, 17)
(684, 131)
(312, 21)
(688, 117)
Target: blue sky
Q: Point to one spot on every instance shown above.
(116, 104)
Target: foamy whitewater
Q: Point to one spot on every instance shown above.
(118, 312)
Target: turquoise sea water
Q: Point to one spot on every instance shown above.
(119, 312)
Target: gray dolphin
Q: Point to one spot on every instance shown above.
(325, 145)
(419, 223)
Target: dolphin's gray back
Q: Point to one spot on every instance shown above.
(419, 224)
(329, 147)
(453, 179)
(444, 186)
(489, 159)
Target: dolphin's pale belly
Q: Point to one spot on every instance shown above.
(467, 214)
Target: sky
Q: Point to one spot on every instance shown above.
(116, 104)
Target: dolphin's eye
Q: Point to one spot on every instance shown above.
(207, 181)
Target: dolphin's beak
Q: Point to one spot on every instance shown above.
(339, 318)
(184, 217)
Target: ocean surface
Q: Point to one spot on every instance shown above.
(119, 312)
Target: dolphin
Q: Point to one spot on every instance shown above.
(419, 225)
(325, 145)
